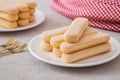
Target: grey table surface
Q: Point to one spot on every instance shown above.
(24, 66)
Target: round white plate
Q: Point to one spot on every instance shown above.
(39, 19)
(48, 57)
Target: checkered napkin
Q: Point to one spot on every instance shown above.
(103, 14)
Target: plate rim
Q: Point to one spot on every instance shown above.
(72, 65)
(34, 25)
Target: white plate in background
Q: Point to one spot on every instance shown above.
(48, 57)
(40, 17)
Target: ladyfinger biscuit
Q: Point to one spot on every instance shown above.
(57, 52)
(7, 24)
(85, 42)
(57, 40)
(32, 11)
(24, 15)
(20, 6)
(32, 18)
(46, 46)
(30, 3)
(10, 9)
(46, 36)
(23, 22)
(8, 17)
(76, 29)
(86, 53)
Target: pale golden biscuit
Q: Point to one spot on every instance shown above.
(32, 11)
(57, 52)
(76, 29)
(46, 46)
(20, 6)
(10, 9)
(23, 22)
(57, 40)
(46, 36)
(86, 53)
(24, 15)
(7, 24)
(30, 3)
(8, 17)
(89, 31)
(32, 18)
(85, 42)
(54, 32)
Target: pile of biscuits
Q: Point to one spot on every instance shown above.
(76, 41)
(16, 13)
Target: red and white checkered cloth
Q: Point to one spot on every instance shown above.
(103, 14)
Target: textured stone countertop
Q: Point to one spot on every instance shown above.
(23, 66)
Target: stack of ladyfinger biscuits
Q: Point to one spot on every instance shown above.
(76, 41)
(15, 13)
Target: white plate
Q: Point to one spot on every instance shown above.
(48, 57)
(39, 19)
